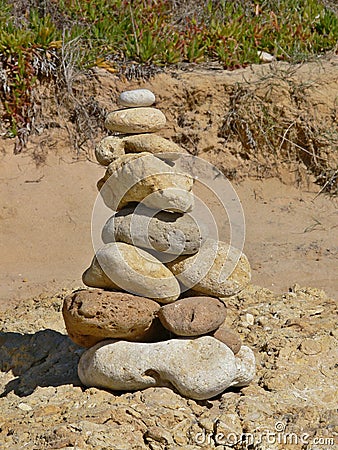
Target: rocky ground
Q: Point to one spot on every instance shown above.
(291, 403)
(45, 226)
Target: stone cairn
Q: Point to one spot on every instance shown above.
(139, 328)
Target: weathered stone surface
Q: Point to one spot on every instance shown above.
(169, 232)
(192, 316)
(229, 337)
(136, 97)
(217, 269)
(199, 368)
(109, 149)
(136, 120)
(94, 315)
(154, 144)
(94, 276)
(143, 177)
(112, 147)
(120, 265)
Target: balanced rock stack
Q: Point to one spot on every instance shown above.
(138, 321)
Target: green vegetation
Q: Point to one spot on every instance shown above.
(33, 36)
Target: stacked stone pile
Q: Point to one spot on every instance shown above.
(140, 323)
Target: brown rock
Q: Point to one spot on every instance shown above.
(192, 316)
(228, 337)
(94, 315)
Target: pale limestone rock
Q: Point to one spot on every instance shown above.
(120, 265)
(136, 97)
(169, 232)
(217, 269)
(136, 120)
(143, 177)
(109, 149)
(199, 368)
(246, 366)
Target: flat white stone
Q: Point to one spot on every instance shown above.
(24, 407)
(136, 97)
(198, 368)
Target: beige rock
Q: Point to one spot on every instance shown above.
(217, 269)
(94, 315)
(109, 149)
(199, 368)
(112, 147)
(120, 265)
(192, 316)
(154, 144)
(136, 120)
(228, 337)
(143, 177)
(169, 232)
(136, 97)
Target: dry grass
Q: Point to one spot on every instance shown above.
(274, 134)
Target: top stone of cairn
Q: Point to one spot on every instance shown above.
(136, 97)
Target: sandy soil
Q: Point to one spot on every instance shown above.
(45, 224)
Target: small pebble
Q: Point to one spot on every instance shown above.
(136, 97)
(24, 407)
(249, 318)
(265, 57)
